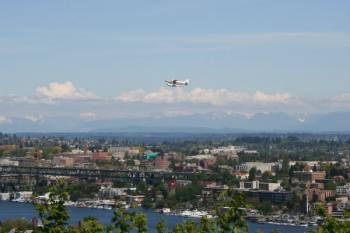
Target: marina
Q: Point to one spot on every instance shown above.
(16, 210)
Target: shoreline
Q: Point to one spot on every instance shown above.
(170, 214)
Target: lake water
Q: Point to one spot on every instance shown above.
(12, 210)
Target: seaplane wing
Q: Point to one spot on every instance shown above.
(171, 81)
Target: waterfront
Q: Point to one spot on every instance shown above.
(11, 210)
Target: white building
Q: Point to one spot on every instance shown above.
(109, 192)
(249, 184)
(118, 152)
(263, 167)
(200, 157)
(227, 150)
(251, 152)
(343, 190)
(8, 162)
(267, 186)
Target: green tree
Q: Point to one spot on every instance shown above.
(267, 175)
(87, 225)
(330, 186)
(331, 224)
(190, 227)
(122, 221)
(161, 226)
(231, 212)
(140, 222)
(265, 207)
(252, 173)
(20, 225)
(82, 189)
(206, 225)
(52, 212)
(185, 227)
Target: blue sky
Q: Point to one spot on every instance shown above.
(262, 52)
(113, 46)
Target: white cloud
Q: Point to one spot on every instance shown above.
(218, 97)
(66, 90)
(5, 120)
(342, 98)
(169, 102)
(275, 98)
(34, 119)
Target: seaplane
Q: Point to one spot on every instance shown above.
(177, 83)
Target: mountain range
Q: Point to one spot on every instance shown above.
(200, 123)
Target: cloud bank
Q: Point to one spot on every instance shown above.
(67, 100)
(218, 97)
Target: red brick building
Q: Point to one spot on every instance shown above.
(101, 156)
(162, 162)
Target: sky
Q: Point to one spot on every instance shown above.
(89, 58)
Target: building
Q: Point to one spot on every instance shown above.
(343, 190)
(274, 197)
(26, 162)
(135, 151)
(249, 184)
(101, 156)
(259, 185)
(269, 186)
(8, 147)
(319, 195)
(162, 162)
(204, 161)
(250, 152)
(147, 164)
(214, 191)
(110, 193)
(242, 175)
(150, 155)
(227, 150)
(183, 183)
(263, 167)
(310, 176)
(118, 152)
(60, 161)
(81, 158)
(8, 162)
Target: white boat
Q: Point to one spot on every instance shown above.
(195, 214)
